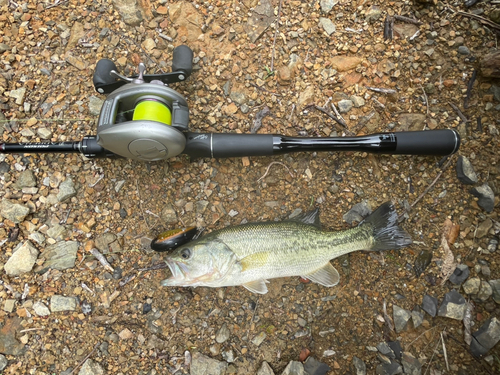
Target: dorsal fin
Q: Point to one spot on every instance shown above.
(310, 217)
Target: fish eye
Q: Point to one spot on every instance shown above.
(186, 253)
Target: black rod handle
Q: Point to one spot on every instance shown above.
(228, 145)
(439, 142)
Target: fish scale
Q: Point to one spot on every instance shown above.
(252, 253)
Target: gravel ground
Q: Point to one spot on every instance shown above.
(64, 312)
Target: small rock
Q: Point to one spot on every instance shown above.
(66, 190)
(359, 365)
(422, 261)
(345, 105)
(103, 241)
(484, 228)
(265, 369)
(495, 287)
(9, 345)
(57, 232)
(412, 121)
(493, 244)
(18, 95)
(61, 303)
(306, 97)
(26, 179)
(59, 256)
(126, 334)
(315, 367)
(453, 306)
(44, 133)
(223, 334)
(373, 13)
(472, 285)
(12, 211)
(460, 274)
(327, 5)
(77, 62)
(396, 348)
(411, 365)
(327, 25)
(417, 316)
(463, 50)
(486, 337)
(238, 97)
(91, 368)
(465, 171)
(386, 350)
(203, 365)
(345, 63)
(389, 369)
(95, 105)
(430, 305)
(401, 318)
(169, 215)
(22, 260)
(40, 309)
(4, 47)
(357, 213)
(257, 340)
(293, 368)
(358, 101)
(486, 197)
(3, 362)
(8, 305)
(485, 291)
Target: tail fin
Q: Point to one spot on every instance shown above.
(386, 232)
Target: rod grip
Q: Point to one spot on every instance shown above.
(228, 145)
(440, 142)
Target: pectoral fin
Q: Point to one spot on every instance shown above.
(326, 275)
(256, 260)
(257, 286)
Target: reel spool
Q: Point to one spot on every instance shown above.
(152, 109)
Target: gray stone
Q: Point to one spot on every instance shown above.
(483, 228)
(412, 121)
(9, 344)
(4, 47)
(169, 215)
(453, 306)
(486, 337)
(238, 97)
(357, 213)
(396, 348)
(9, 305)
(103, 241)
(44, 133)
(265, 369)
(262, 17)
(22, 260)
(257, 340)
(463, 50)
(358, 101)
(495, 287)
(12, 211)
(129, 10)
(57, 232)
(3, 362)
(417, 316)
(386, 350)
(485, 291)
(40, 309)
(26, 179)
(345, 105)
(91, 367)
(223, 334)
(60, 303)
(401, 318)
(294, 368)
(359, 365)
(465, 171)
(203, 365)
(430, 305)
(327, 25)
(460, 274)
(486, 197)
(314, 367)
(18, 95)
(411, 365)
(228, 356)
(59, 256)
(389, 369)
(66, 190)
(373, 13)
(95, 105)
(472, 285)
(327, 5)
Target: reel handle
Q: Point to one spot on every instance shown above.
(431, 142)
(182, 60)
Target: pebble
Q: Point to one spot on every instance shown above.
(223, 334)
(294, 368)
(495, 286)
(265, 369)
(386, 350)
(202, 365)
(126, 334)
(13, 211)
(169, 215)
(493, 245)
(453, 306)
(61, 303)
(483, 228)
(486, 337)
(327, 5)
(396, 348)
(66, 190)
(472, 285)
(430, 305)
(357, 101)
(257, 340)
(95, 105)
(22, 260)
(26, 179)
(8, 305)
(9, 344)
(91, 367)
(465, 171)
(417, 316)
(44, 133)
(3, 362)
(359, 365)
(327, 25)
(40, 309)
(18, 95)
(485, 291)
(59, 256)
(314, 367)
(345, 105)
(460, 274)
(411, 365)
(401, 318)
(389, 369)
(357, 213)
(486, 197)
(463, 50)
(373, 13)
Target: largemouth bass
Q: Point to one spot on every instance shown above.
(251, 254)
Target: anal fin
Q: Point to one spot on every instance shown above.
(257, 286)
(326, 275)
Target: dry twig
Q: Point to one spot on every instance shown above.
(102, 259)
(445, 354)
(270, 165)
(83, 361)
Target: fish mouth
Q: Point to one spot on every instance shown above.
(178, 271)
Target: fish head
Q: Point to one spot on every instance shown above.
(199, 263)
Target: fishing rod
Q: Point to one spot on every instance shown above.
(144, 119)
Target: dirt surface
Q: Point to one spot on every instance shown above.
(123, 319)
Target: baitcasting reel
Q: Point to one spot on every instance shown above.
(143, 119)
